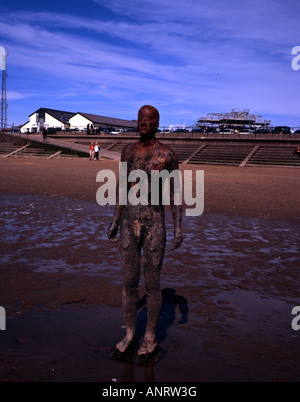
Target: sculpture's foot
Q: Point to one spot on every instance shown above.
(148, 347)
(126, 350)
(147, 353)
(126, 343)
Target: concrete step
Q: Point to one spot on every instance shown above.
(32, 153)
(222, 154)
(274, 162)
(6, 148)
(280, 156)
(66, 156)
(209, 162)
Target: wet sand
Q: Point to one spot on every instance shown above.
(228, 291)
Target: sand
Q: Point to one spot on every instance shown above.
(228, 317)
(251, 191)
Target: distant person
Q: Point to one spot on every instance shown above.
(44, 133)
(97, 149)
(92, 151)
(297, 152)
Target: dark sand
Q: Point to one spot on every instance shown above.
(235, 279)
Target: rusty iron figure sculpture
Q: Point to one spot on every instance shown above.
(142, 227)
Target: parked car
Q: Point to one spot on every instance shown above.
(262, 131)
(180, 130)
(246, 131)
(282, 130)
(127, 130)
(131, 130)
(117, 131)
(107, 129)
(297, 132)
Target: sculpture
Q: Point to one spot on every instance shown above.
(142, 229)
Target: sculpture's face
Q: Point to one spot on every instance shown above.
(148, 121)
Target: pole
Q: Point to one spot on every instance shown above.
(3, 102)
(3, 90)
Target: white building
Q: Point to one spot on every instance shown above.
(80, 121)
(48, 118)
(61, 120)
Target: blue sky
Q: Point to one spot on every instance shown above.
(187, 58)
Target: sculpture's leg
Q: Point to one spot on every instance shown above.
(154, 247)
(131, 274)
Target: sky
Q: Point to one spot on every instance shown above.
(187, 58)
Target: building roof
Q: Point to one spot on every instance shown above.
(64, 117)
(60, 115)
(108, 121)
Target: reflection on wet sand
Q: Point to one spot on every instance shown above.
(228, 293)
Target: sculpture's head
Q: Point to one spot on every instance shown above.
(148, 122)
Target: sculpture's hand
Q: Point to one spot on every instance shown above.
(178, 238)
(112, 232)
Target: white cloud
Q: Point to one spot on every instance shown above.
(12, 95)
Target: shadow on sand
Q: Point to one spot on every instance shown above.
(170, 300)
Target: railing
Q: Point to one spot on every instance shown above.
(172, 134)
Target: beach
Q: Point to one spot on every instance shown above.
(263, 192)
(228, 291)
